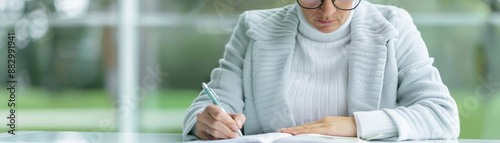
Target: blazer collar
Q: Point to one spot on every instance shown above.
(273, 23)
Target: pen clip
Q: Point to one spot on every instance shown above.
(205, 86)
(215, 95)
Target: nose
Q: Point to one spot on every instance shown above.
(328, 8)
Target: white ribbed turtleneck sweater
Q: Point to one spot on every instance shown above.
(317, 83)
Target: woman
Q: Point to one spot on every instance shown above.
(340, 67)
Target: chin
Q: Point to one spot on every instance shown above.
(326, 29)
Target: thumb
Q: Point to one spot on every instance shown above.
(239, 119)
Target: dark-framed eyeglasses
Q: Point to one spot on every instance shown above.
(345, 5)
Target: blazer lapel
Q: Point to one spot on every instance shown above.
(271, 56)
(367, 58)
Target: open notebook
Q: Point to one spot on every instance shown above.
(284, 138)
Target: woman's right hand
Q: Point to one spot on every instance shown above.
(213, 123)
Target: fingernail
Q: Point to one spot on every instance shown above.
(240, 124)
(233, 127)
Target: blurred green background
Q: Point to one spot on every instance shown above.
(67, 68)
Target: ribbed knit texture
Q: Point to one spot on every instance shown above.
(317, 84)
(392, 88)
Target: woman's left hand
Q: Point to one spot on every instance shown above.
(330, 125)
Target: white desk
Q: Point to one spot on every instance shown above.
(111, 137)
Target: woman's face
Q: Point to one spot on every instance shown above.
(326, 18)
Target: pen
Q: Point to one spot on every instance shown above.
(215, 100)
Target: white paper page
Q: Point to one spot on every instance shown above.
(259, 138)
(317, 138)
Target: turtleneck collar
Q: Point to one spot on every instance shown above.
(308, 31)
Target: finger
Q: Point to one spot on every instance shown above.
(208, 122)
(201, 131)
(199, 125)
(203, 135)
(311, 123)
(219, 127)
(317, 130)
(222, 116)
(214, 133)
(239, 118)
(301, 127)
(294, 128)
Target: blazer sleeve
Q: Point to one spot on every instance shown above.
(426, 110)
(225, 80)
